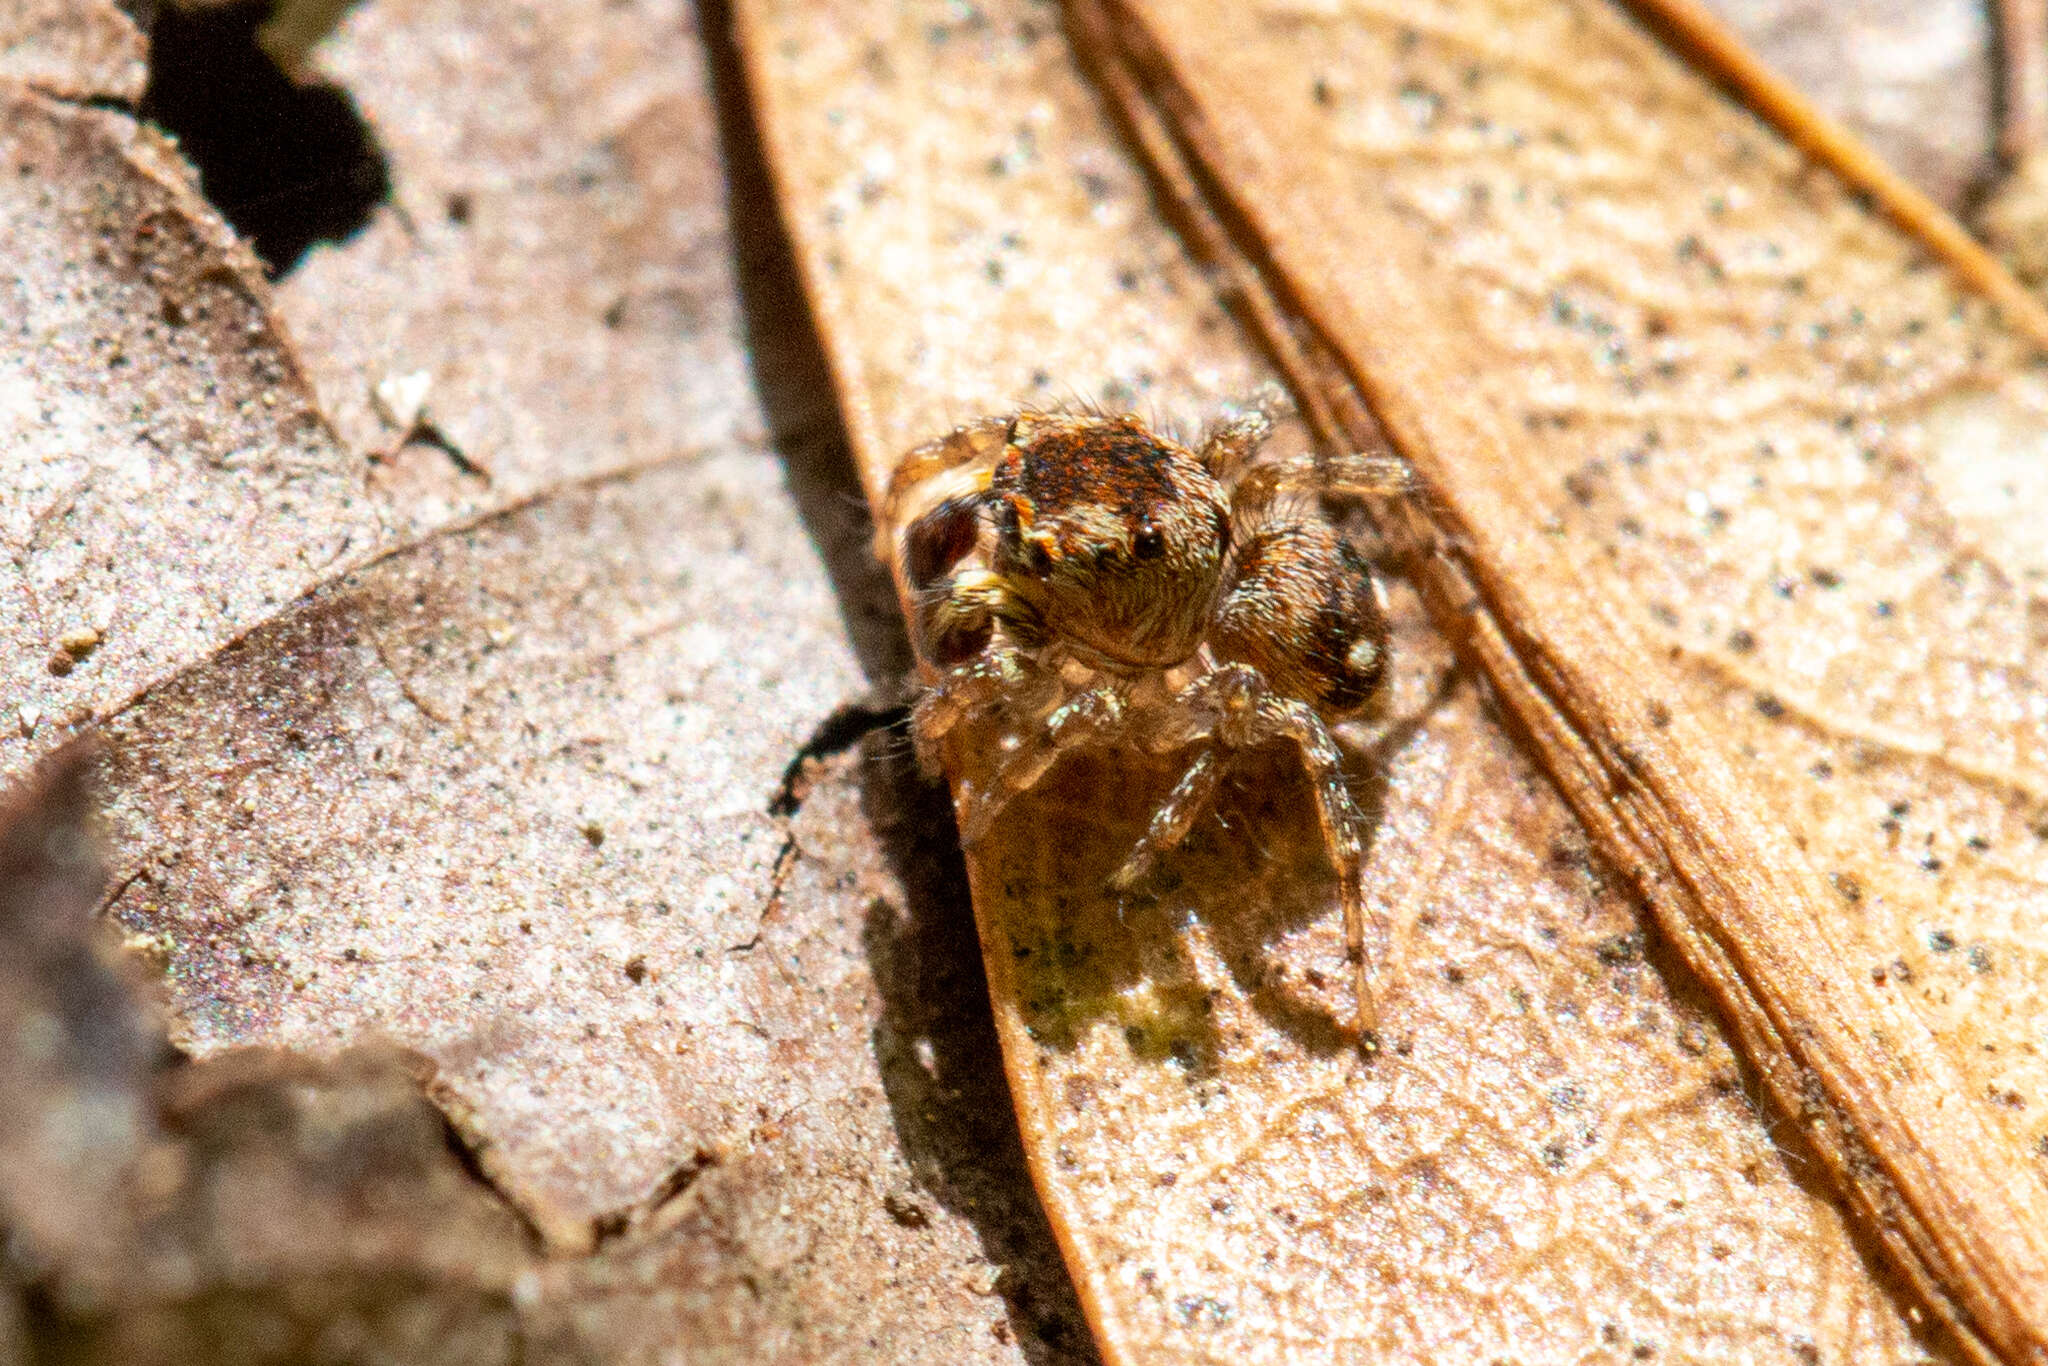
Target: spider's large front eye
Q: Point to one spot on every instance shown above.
(939, 540)
(1149, 543)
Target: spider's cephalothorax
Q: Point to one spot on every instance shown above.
(1114, 536)
(1096, 583)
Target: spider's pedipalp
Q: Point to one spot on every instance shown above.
(956, 622)
(940, 538)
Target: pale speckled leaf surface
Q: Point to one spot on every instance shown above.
(1557, 1157)
(496, 772)
(552, 164)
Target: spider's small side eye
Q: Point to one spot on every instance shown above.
(1036, 559)
(1149, 543)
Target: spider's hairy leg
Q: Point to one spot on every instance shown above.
(1236, 708)
(1230, 446)
(1343, 830)
(1211, 708)
(1346, 476)
(1174, 818)
(1089, 717)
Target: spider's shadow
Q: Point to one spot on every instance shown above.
(1254, 870)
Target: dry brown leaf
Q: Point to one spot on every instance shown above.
(1567, 1160)
(168, 480)
(1558, 1156)
(548, 166)
(157, 1212)
(550, 785)
(72, 49)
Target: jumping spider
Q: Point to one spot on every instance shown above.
(1098, 584)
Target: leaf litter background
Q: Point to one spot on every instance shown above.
(522, 732)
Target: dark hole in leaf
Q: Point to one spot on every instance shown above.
(288, 164)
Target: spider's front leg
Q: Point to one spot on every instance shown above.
(1000, 673)
(1088, 718)
(1204, 713)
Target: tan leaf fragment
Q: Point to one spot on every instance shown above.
(72, 49)
(1557, 1156)
(1803, 562)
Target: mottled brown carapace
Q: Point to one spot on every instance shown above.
(1090, 582)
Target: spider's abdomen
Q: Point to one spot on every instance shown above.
(1303, 610)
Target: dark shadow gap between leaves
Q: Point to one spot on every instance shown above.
(941, 1064)
(288, 164)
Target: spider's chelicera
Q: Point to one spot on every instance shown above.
(1098, 584)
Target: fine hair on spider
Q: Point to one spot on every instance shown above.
(1096, 584)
